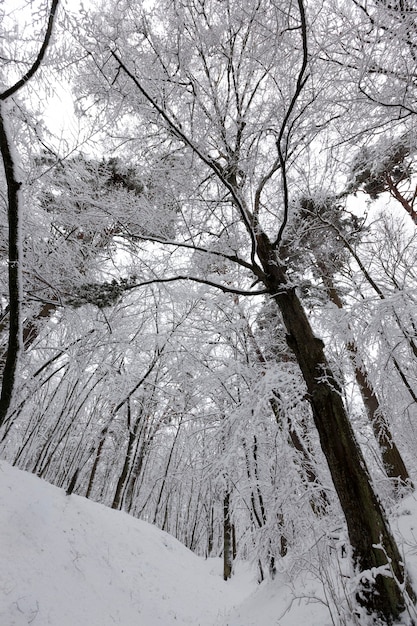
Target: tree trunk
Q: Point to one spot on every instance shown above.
(321, 502)
(95, 464)
(210, 530)
(227, 538)
(135, 471)
(372, 543)
(117, 500)
(132, 434)
(165, 477)
(14, 269)
(13, 216)
(392, 460)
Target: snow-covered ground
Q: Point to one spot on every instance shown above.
(66, 561)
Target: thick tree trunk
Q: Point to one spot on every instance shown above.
(14, 269)
(13, 212)
(372, 542)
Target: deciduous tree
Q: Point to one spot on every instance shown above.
(236, 92)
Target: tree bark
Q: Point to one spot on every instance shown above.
(227, 538)
(95, 464)
(132, 433)
(13, 213)
(372, 542)
(14, 270)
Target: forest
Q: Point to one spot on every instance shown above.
(209, 274)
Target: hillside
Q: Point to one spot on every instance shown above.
(67, 561)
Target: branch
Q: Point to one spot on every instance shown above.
(148, 372)
(375, 287)
(301, 81)
(211, 163)
(257, 202)
(189, 246)
(20, 83)
(203, 281)
(392, 105)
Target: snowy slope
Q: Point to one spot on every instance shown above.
(66, 561)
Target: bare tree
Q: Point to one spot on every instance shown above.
(14, 218)
(234, 94)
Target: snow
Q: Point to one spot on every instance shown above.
(67, 561)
